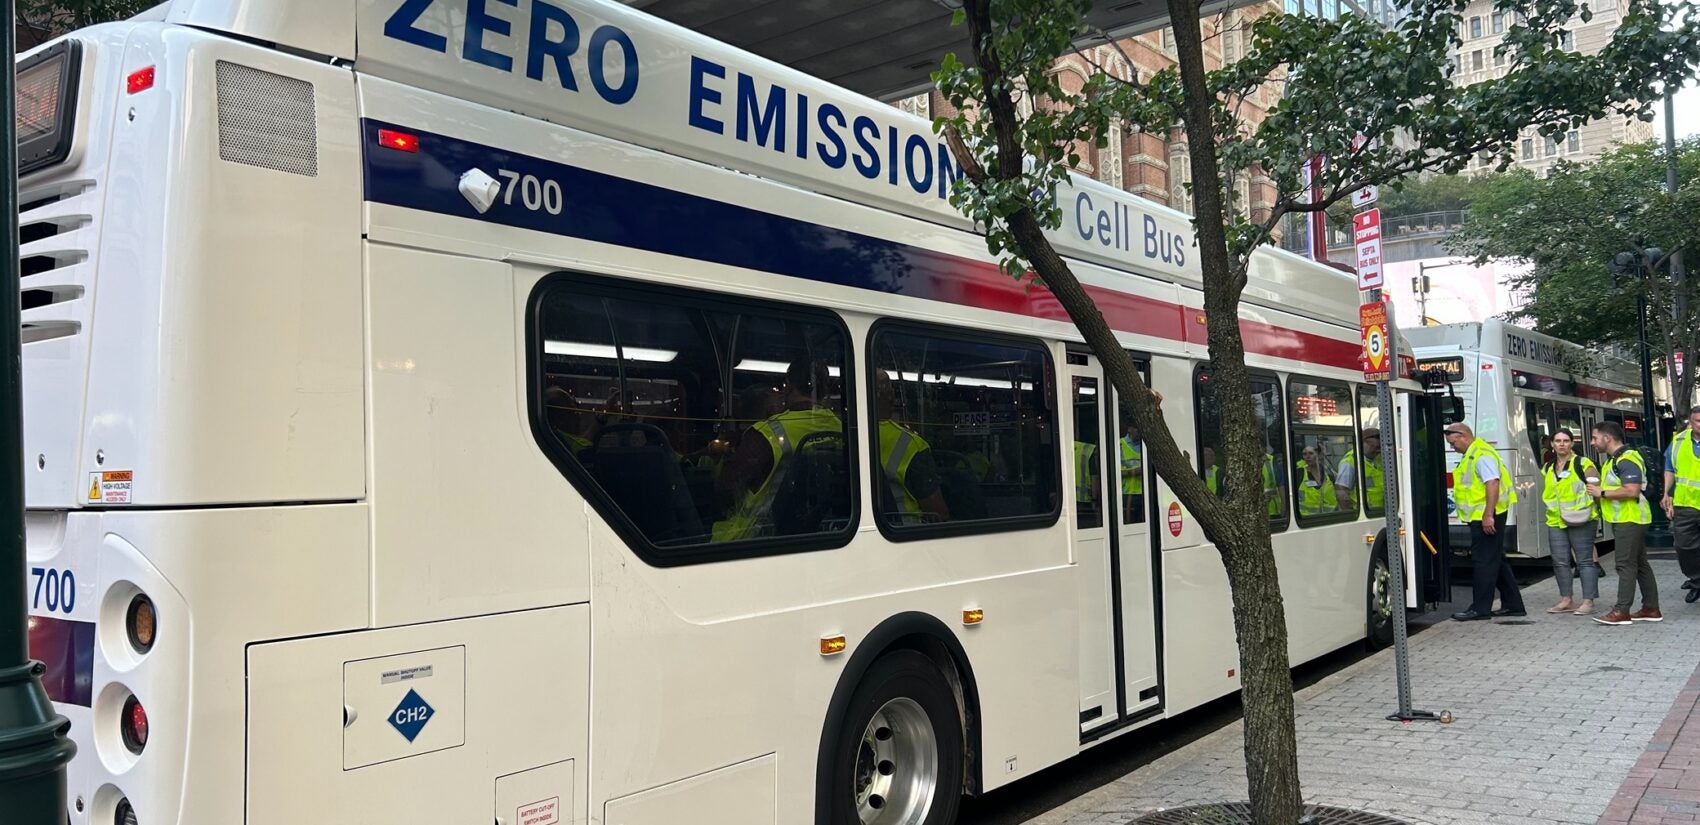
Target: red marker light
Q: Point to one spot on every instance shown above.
(133, 725)
(140, 80)
(393, 139)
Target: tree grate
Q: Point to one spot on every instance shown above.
(1239, 813)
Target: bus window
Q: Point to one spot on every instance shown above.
(1325, 473)
(1570, 418)
(1538, 421)
(1266, 406)
(1369, 452)
(694, 421)
(964, 433)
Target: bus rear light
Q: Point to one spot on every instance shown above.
(133, 725)
(140, 623)
(124, 814)
(402, 141)
(140, 80)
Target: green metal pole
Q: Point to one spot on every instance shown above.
(34, 749)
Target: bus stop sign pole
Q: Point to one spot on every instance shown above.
(1381, 363)
(34, 749)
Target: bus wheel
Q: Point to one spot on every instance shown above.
(1380, 602)
(898, 757)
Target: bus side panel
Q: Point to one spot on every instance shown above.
(469, 516)
(677, 696)
(219, 580)
(480, 700)
(226, 366)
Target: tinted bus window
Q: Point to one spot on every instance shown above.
(695, 422)
(965, 432)
(1266, 406)
(1325, 473)
(1370, 472)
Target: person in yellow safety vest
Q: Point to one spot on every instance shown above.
(1316, 489)
(1483, 492)
(1564, 490)
(1682, 501)
(1085, 475)
(1346, 479)
(1212, 470)
(1273, 489)
(1132, 447)
(1624, 474)
(914, 493)
(750, 477)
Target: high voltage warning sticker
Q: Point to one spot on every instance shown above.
(111, 487)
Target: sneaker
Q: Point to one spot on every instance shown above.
(1647, 614)
(1614, 617)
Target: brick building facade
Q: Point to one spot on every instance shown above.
(1157, 166)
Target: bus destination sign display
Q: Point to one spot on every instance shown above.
(1452, 368)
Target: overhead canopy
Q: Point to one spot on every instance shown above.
(885, 49)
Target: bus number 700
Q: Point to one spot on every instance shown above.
(55, 589)
(535, 194)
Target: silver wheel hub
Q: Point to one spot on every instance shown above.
(897, 766)
(1381, 591)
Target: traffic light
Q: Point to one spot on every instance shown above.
(1419, 284)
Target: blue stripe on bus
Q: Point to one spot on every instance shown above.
(612, 210)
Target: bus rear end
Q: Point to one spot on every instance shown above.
(193, 395)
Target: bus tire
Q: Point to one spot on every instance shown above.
(897, 758)
(1379, 602)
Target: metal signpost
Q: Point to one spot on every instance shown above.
(33, 748)
(1381, 360)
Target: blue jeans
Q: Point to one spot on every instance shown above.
(1578, 540)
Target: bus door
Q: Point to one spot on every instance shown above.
(1112, 547)
(1431, 567)
(1135, 563)
(1091, 549)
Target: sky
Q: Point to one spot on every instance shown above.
(1687, 113)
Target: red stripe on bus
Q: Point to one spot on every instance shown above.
(982, 285)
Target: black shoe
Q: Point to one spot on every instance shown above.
(1469, 616)
(1504, 612)
(1690, 585)
(1692, 596)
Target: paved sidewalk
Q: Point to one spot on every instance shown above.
(1553, 712)
(1664, 786)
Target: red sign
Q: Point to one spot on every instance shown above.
(1372, 322)
(1174, 518)
(1366, 231)
(1366, 225)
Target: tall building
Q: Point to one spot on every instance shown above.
(1479, 58)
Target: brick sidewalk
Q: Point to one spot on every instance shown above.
(1664, 786)
(1553, 713)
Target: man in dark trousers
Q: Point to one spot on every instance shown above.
(1622, 475)
(1682, 501)
(1483, 496)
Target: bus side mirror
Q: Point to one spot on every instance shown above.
(1451, 409)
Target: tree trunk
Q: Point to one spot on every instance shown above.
(1260, 624)
(1237, 523)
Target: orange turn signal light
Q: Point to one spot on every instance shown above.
(832, 645)
(974, 616)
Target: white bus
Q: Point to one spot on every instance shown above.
(1518, 387)
(446, 409)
